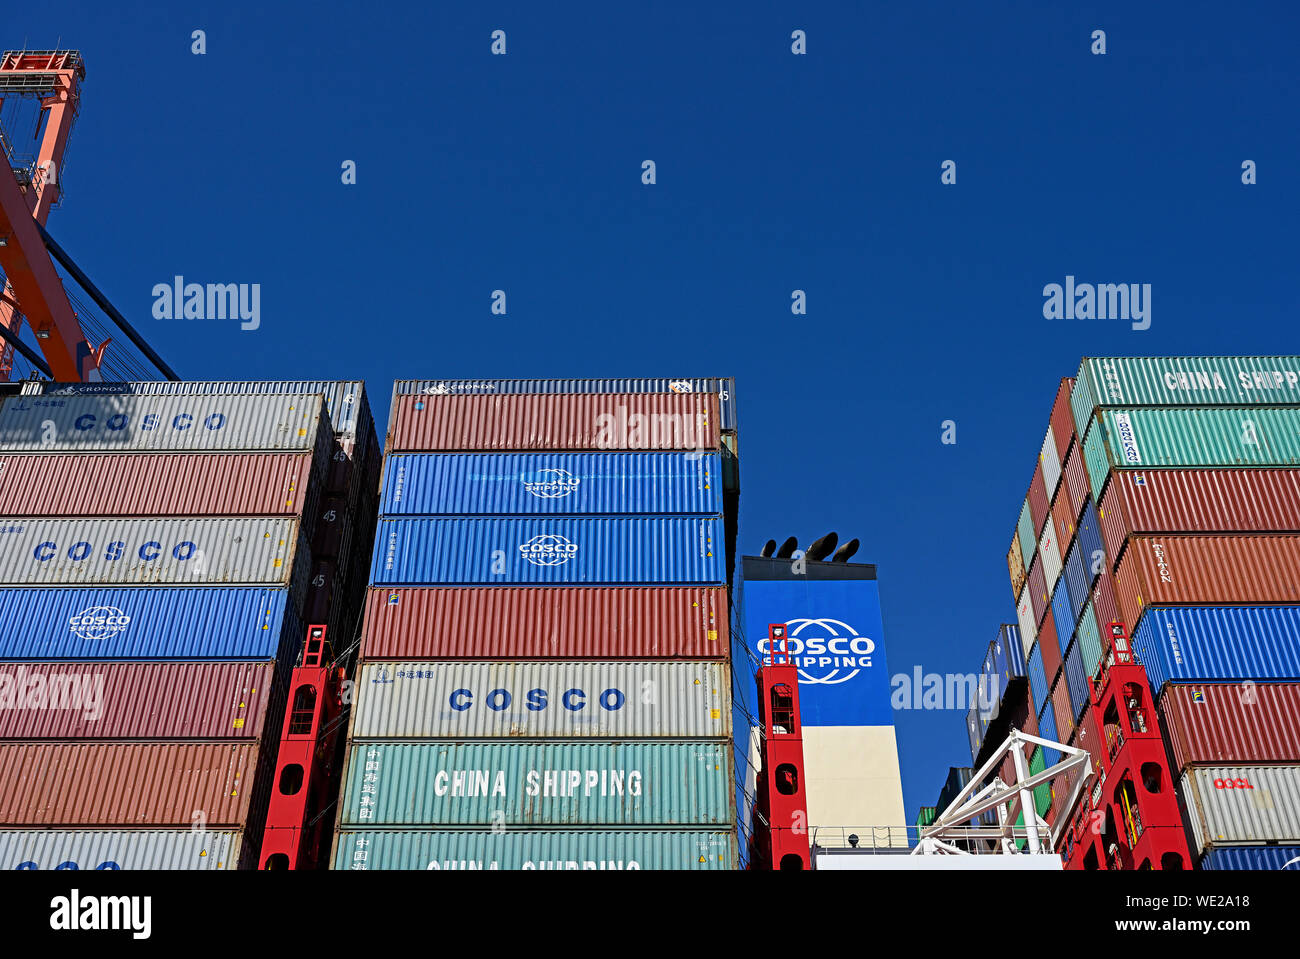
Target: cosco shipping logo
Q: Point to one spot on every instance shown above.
(99, 622)
(551, 483)
(825, 651)
(548, 549)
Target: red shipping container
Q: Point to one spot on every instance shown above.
(1086, 736)
(125, 784)
(1062, 422)
(1050, 645)
(1232, 723)
(1062, 709)
(137, 700)
(1063, 515)
(1199, 501)
(1038, 500)
(1076, 479)
(155, 484)
(546, 622)
(555, 421)
(1104, 606)
(1038, 588)
(1206, 570)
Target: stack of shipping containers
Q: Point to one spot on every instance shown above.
(544, 680)
(1194, 464)
(161, 548)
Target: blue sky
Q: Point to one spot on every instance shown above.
(775, 173)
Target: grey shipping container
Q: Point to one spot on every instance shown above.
(1242, 804)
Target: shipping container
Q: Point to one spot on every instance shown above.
(1062, 420)
(1219, 644)
(560, 550)
(146, 623)
(156, 484)
(537, 784)
(1076, 478)
(1050, 643)
(1076, 677)
(1028, 622)
(129, 423)
(464, 849)
(534, 622)
(1091, 548)
(1038, 499)
(1051, 464)
(1049, 551)
(1104, 605)
(1252, 857)
(1063, 516)
(142, 700)
(1016, 567)
(1244, 722)
(531, 700)
(1007, 653)
(1198, 501)
(596, 421)
(83, 849)
(1061, 708)
(1047, 727)
(974, 730)
(1026, 536)
(1175, 569)
(1038, 593)
(723, 387)
(1182, 381)
(126, 784)
(1088, 636)
(470, 484)
(1242, 803)
(192, 551)
(1211, 437)
(1039, 688)
(1078, 583)
(1062, 611)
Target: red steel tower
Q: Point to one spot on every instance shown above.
(780, 828)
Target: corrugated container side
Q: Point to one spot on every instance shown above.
(1038, 499)
(1038, 589)
(1026, 535)
(1196, 437)
(146, 623)
(1016, 567)
(1242, 568)
(1252, 857)
(1049, 548)
(90, 700)
(533, 849)
(534, 622)
(1190, 380)
(560, 550)
(1061, 708)
(1051, 464)
(1244, 722)
(531, 700)
(1089, 639)
(1062, 420)
(1104, 605)
(1063, 516)
(1203, 501)
(1083, 403)
(1049, 640)
(723, 387)
(1028, 621)
(1062, 613)
(83, 849)
(1240, 803)
(1077, 581)
(974, 733)
(54, 424)
(1096, 460)
(157, 484)
(1009, 656)
(1077, 678)
(503, 484)
(125, 784)
(127, 551)
(539, 784)
(1047, 727)
(1092, 549)
(1219, 644)
(1076, 478)
(1039, 690)
(594, 421)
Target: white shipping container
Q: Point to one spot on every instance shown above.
(1050, 552)
(125, 849)
(1242, 804)
(575, 700)
(1051, 464)
(190, 551)
(1025, 614)
(56, 423)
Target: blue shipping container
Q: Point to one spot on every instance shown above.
(467, 484)
(1091, 549)
(1062, 612)
(724, 387)
(1009, 656)
(1077, 580)
(1218, 643)
(147, 622)
(1038, 688)
(1271, 858)
(1047, 725)
(1076, 679)
(562, 550)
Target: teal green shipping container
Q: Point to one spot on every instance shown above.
(537, 784)
(535, 849)
(1209, 437)
(1182, 381)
